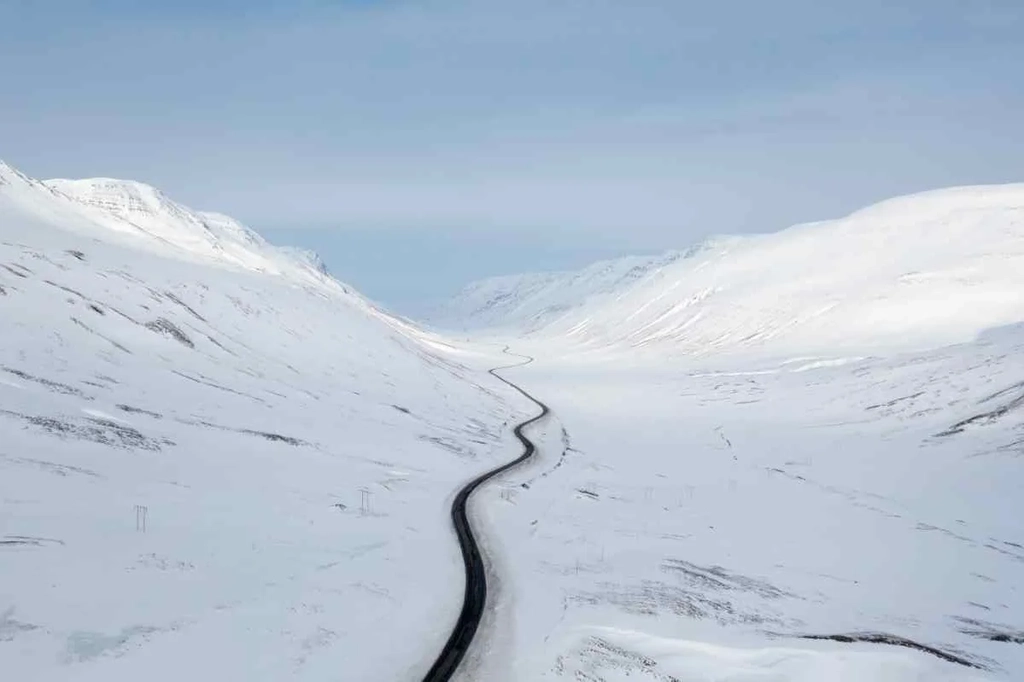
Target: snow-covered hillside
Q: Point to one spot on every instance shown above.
(216, 462)
(527, 302)
(203, 233)
(916, 271)
(694, 519)
(811, 433)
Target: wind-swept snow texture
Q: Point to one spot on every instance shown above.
(216, 462)
(912, 272)
(812, 434)
(728, 510)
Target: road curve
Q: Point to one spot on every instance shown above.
(476, 579)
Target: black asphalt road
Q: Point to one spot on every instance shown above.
(476, 579)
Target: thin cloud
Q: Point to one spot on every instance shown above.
(626, 126)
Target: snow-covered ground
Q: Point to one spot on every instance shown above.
(727, 509)
(216, 462)
(813, 433)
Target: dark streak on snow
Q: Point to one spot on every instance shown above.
(54, 386)
(122, 314)
(992, 632)
(220, 345)
(67, 289)
(185, 306)
(139, 410)
(896, 640)
(166, 327)
(719, 579)
(15, 272)
(450, 444)
(93, 331)
(102, 431)
(52, 467)
(566, 449)
(212, 384)
(895, 401)
(1002, 392)
(29, 540)
(985, 417)
(267, 435)
(652, 597)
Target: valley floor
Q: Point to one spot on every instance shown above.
(692, 521)
(219, 463)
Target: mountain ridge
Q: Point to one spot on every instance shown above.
(112, 209)
(934, 267)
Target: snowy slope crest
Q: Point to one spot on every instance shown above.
(208, 235)
(916, 271)
(140, 216)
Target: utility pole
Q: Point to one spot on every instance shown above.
(141, 512)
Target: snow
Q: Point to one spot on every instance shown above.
(915, 272)
(218, 462)
(699, 505)
(624, 656)
(148, 212)
(811, 433)
(531, 299)
(291, 448)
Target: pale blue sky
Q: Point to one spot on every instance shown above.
(418, 145)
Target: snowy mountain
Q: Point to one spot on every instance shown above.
(916, 271)
(146, 211)
(218, 462)
(791, 457)
(527, 302)
(215, 460)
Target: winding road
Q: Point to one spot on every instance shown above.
(476, 578)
